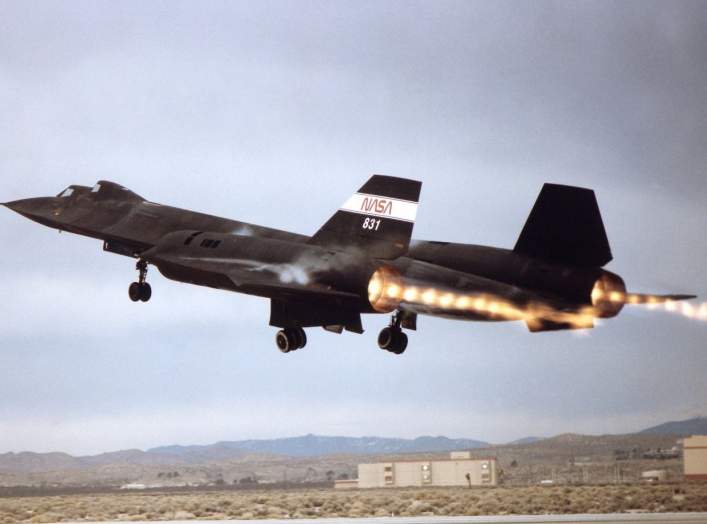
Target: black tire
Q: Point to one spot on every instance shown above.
(134, 291)
(386, 338)
(296, 338)
(401, 343)
(145, 292)
(284, 343)
(301, 338)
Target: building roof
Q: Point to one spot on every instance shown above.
(695, 441)
(473, 459)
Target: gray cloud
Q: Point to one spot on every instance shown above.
(274, 112)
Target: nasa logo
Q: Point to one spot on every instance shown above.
(380, 206)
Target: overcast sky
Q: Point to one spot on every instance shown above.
(274, 113)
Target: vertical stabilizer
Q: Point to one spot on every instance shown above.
(377, 220)
(565, 227)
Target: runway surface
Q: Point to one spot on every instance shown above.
(611, 518)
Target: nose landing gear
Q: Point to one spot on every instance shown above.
(290, 339)
(392, 337)
(140, 290)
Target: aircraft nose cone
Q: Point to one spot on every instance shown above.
(15, 205)
(19, 206)
(33, 208)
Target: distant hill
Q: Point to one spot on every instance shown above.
(524, 440)
(572, 444)
(29, 462)
(691, 426)
(298, 447)
(322, 449)
(314, 445)
(310, 457)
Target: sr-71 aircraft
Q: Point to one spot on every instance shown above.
(362, 260)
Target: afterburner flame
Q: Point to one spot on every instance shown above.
(384, 289)
(608, 295)
(387, 289)
(667, 303)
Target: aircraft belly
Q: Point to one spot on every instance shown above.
(261, 267)
(199, 277)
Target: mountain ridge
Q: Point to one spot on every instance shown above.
(691, 426)
(305, 446)
(313, 445)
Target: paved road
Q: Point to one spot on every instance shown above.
(611, 518)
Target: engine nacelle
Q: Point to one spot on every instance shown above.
(608, 295)
(385, 289)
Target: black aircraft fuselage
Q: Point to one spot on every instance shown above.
(362, 260)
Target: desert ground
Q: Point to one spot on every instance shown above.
(302, 503)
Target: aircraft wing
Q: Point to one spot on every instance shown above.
(278, 281)
(300, 292)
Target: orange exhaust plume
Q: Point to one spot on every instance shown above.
(387, 289)
(384, 289)
(602, 295)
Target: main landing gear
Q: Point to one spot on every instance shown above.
(140, 290)
(392, 337)
(290, 339)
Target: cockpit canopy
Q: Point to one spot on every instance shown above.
(102, 190)
(73, 190)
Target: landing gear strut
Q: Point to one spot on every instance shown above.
(392, 337)
(290, 339)
(140, 290)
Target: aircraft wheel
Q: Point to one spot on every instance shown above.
(134, 291)
(301, 337)
(393, 339)
(401, 343)
(145, 291)
(386, 338)
(287, 340)
(283, 342)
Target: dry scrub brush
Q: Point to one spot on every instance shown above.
(355, 503)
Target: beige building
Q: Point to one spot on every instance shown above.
(695, 457)
(458, 470)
